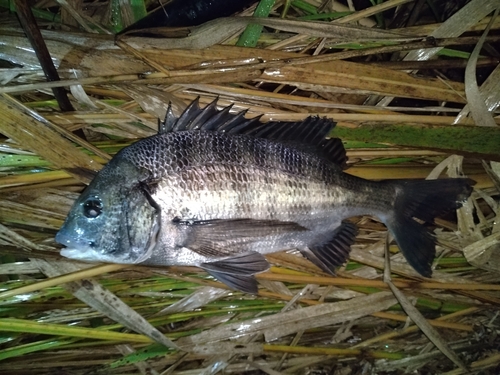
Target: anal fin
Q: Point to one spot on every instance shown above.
(335, 252)
(238, 272)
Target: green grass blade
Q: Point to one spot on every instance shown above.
(251, 35)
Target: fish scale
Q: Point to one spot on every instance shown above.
(217, 191)
(227, 198)
(267, 179)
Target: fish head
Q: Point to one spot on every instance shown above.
(114, 220)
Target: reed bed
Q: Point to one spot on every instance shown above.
(413, 86)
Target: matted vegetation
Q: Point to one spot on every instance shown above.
(409, 83)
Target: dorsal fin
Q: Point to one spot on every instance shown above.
(308, 134)
(168, 122)
(311, 131)
(333, 150)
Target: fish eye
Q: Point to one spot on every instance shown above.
(92, 208)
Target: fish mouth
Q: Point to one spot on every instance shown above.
(74, 249)
(79, 254)
(77, 250)
(87, 252)
(90, 255)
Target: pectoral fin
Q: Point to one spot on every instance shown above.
(217, 238)
(238, 272)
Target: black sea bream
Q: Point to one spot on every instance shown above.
(216, 190)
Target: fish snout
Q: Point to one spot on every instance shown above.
(76, 248)
(71, 242)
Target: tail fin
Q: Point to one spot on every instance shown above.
(423, 200)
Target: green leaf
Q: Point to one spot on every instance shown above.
(251, 35)
(141, 355)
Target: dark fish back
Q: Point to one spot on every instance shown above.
(166, 154)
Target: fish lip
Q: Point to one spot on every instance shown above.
(86, 255)
(77, 250)
(78, 254)
(91, 256)
(70, 242)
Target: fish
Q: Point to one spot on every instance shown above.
(184, 13)
(216, 190)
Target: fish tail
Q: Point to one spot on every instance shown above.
(423, 200)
